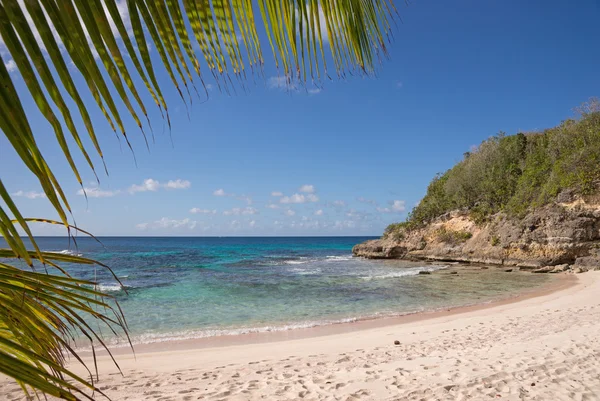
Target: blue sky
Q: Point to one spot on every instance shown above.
(348, 159)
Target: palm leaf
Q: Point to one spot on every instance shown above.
(40, 313)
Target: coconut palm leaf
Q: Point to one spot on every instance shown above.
(106, 44)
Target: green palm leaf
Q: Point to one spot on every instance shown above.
(40, 313)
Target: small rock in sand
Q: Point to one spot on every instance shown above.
(450, 387)
(396, 342)
(424, 272)
(508, 270)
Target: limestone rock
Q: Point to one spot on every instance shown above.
(560, 268)
(560, 234)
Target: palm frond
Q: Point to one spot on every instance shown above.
(54, 44)
(40, 315)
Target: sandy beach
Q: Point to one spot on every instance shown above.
(544, 347)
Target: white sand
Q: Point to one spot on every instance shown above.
(541, 348)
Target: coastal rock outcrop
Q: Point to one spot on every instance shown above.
(552, 238)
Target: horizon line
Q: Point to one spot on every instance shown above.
(200, 236)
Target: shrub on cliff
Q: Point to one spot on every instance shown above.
(516, 173)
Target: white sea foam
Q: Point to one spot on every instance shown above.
(412, 271)
(109, 287)
(149, 338)
(338, 258)
(296, 262)
(67, 252)
(330, 258)
(305, 272)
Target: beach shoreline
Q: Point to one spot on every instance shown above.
(539, 347)
(559, 283)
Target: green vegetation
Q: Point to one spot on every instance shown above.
(84, 50)
(495, 240)
(452, 237)
(514, 174)
(395, 231)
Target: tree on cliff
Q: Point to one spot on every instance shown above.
(105, 46)
(514, 174)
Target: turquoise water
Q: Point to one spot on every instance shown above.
(199, 287)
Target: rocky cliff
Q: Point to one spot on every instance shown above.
(565, 233)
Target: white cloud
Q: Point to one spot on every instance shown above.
(167, 223)
(319, 212)
(299, 198)
(96, 192)
(11, 65)
(245, 198)
(196, 210)
(290, 212)
(273, 206)
(124, 13)
(399, 206)
(368, 201)
(396, 206)
(276, 193)
(296, 198)
(339, 203)
(30, 194)
(252, 223)
(282, 83)
(178, 184)
(341, 225)
(312, 198)
(221, 192)
(322, 21)
(148, 185)
(236, 211)
(357, 215)
(287, 84)
(306, 188)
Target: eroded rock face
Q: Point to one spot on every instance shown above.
(380, 249)
(557, 234)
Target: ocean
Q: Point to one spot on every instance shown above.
(182, 287)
